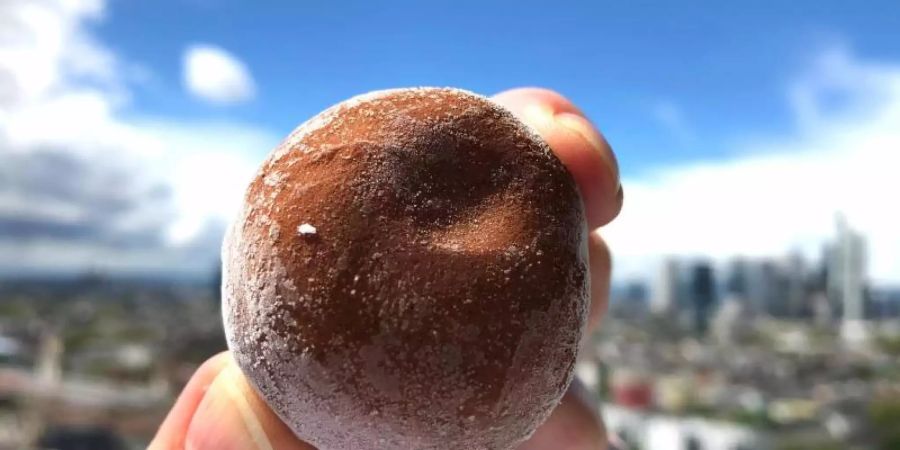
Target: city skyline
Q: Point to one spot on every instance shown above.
(831, 288)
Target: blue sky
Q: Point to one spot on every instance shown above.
(724, 65)
(128, 129)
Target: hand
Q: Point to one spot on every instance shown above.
(218, 409)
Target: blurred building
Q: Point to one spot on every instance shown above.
(636, 292)
(737, 278)
(846, 281)
(886, 302)
(631, 299)
(733, 321)
(796, 280)
(701, 295)
(665, 298)
(745, 280)
(774, 289)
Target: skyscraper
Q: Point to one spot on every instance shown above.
(774, 286)
(737, 280)
(796, 286)
(846, 280)
(702, 294)
(665, 291)
(758, 286)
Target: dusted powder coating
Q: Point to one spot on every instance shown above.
(439, 302)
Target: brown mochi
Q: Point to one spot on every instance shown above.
(409, 271)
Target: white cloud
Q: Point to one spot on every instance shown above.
(672, 119)
(838, 88)
(217, 76)
(784, 193)
(211, 166)
(83, 187)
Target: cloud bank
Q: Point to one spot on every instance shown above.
(83, 188)
(782, 193)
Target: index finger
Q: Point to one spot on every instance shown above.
(577, 143)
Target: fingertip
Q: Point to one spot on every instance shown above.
(586, 129)
(576, 142)
(522, 96)
(590, 159)
(601, 271)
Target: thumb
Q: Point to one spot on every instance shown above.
(229, 416)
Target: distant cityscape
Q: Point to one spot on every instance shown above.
(96, 363)
(834, 287)
(776, 353)
(766, 353)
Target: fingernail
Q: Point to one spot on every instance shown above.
(225, 419)
(586, 130)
